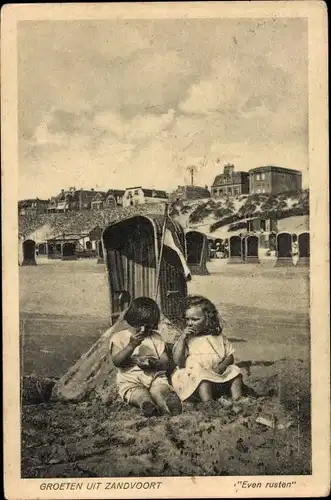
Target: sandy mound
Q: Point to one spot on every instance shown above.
(94, 439)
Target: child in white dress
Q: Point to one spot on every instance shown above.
(204, 357)
(140, 355)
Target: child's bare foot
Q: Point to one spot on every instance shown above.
(148, 409)
(225, 402)
(236, 388)
(245, 399)
(241, 403)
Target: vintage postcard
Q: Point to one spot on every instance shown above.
(165, 250)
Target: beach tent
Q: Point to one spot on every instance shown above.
(284, 256)
(100, 252)
(251, 249)
(304, 249)
(69, 250)
(197, 252)
(145, 256)
(236, 250)
(42, 249)
(29, 253)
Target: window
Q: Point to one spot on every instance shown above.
(258, 177)
(136, 191)
(263, 177)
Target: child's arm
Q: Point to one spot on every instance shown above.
(160, 364)
(222, 366)
(179, 351)
(122, 357)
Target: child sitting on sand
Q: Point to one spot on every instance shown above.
(142, 361)
(204, 357)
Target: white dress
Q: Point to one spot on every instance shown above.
(204, 353)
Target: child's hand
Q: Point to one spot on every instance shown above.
(145, 362)
(137, 337)
(189, 332)
(153, 362)
(142, 363)
(220, 368)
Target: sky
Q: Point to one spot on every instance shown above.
(116, 104)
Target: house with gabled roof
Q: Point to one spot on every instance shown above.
(113, 198)
(32, 206)
(138, 195)
(73, 200)
(230, 183)
(184, 193)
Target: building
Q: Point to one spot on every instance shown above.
(33, 206)
(138, 195)
(262, 225)
(113, 198)
(230, 183)
(274, 180)
(73, 200)
(183, 193)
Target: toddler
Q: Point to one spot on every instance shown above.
(204, 357)
(142, 361)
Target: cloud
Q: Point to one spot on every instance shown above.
(139, 129)
(127, 102)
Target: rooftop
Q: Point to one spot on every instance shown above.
(158, 193)
(32, 200)
(189, 187)
(275, 169)
(235, 176)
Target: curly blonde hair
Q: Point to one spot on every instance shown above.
(214, 322)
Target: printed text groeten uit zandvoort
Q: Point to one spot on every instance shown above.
(120, 485)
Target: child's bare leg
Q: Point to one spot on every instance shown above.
(166, 399)
(205, 391)
(141, 398)
(237, 387)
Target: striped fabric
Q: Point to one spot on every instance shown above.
(132, 251)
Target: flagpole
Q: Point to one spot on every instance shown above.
(158, 271)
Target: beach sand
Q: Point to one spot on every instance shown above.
(64, 309)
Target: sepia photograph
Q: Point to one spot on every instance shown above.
(164, 210)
